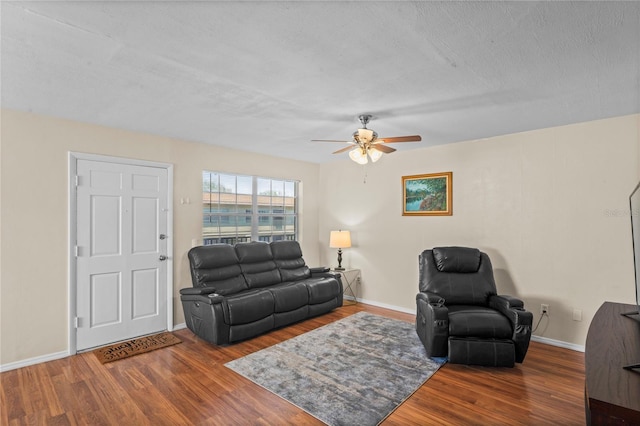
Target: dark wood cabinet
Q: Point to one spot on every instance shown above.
(612, 393)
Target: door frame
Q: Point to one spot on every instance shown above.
(72, 227)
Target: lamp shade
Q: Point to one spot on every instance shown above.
(374, 154)
(358, 155)
(340, 239)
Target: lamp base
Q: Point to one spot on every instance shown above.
(339, 268)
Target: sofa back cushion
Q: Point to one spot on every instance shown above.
(257, 264)
(216, 266)
(288, 258)
(460, 275)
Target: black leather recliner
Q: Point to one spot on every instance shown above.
(459, 314)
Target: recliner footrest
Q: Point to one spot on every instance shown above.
(485, 352)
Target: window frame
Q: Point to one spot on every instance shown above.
(236, 211)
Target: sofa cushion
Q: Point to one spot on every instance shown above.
(257, 264)
(244, 331)
(248, 306)
(216, 266)
(289, 296)
(322, 289)
(289, 317)
(288, 258)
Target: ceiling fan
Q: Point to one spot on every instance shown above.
(366, 143)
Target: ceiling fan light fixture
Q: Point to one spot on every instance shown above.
(366, 135)
(358, 155)
(374, 154)
(365, 144)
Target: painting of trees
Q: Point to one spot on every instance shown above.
(427, 194)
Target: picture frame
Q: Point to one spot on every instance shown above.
(427, 194)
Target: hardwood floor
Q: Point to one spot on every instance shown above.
(188, 384)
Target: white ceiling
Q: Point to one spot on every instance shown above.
(270, 76)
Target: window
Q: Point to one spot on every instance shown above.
(240, 208)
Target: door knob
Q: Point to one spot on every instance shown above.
(163, 257)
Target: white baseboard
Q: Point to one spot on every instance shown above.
(387, 306)
(33, 361)
(179, 326)
(558, 343)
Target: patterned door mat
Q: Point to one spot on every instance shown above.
(135, 346)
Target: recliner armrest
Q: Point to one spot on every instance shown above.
(431, 298)
(319, 269)
(521, 321)
(432, 323)
(436, 310)
(512, 308)
(503, 301)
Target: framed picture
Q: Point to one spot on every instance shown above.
(427, 195)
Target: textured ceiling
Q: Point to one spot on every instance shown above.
(270, 76)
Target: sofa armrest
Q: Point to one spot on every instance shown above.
(521, 321)
(192, 291)
(204, 316)
(322, 273)
(201, 294)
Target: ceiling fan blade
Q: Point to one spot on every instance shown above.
(329, 140)
(414, 138)
(346, 148)
(383, 148)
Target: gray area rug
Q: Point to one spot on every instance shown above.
(354, 371)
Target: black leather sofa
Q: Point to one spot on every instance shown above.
(460, 315)
(248, 289)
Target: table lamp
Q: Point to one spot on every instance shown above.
(340, 239)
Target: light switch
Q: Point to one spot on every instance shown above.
(577, 315)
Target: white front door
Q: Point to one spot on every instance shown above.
(121, 265)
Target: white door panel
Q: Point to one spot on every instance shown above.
(104, 297)
(121, 282)
(144, 235)
(144, 284)
(105, 213)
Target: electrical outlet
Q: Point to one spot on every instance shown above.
(544, 309)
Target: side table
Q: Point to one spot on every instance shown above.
(350, 281)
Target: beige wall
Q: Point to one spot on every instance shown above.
(549, 207)
(34, 212)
